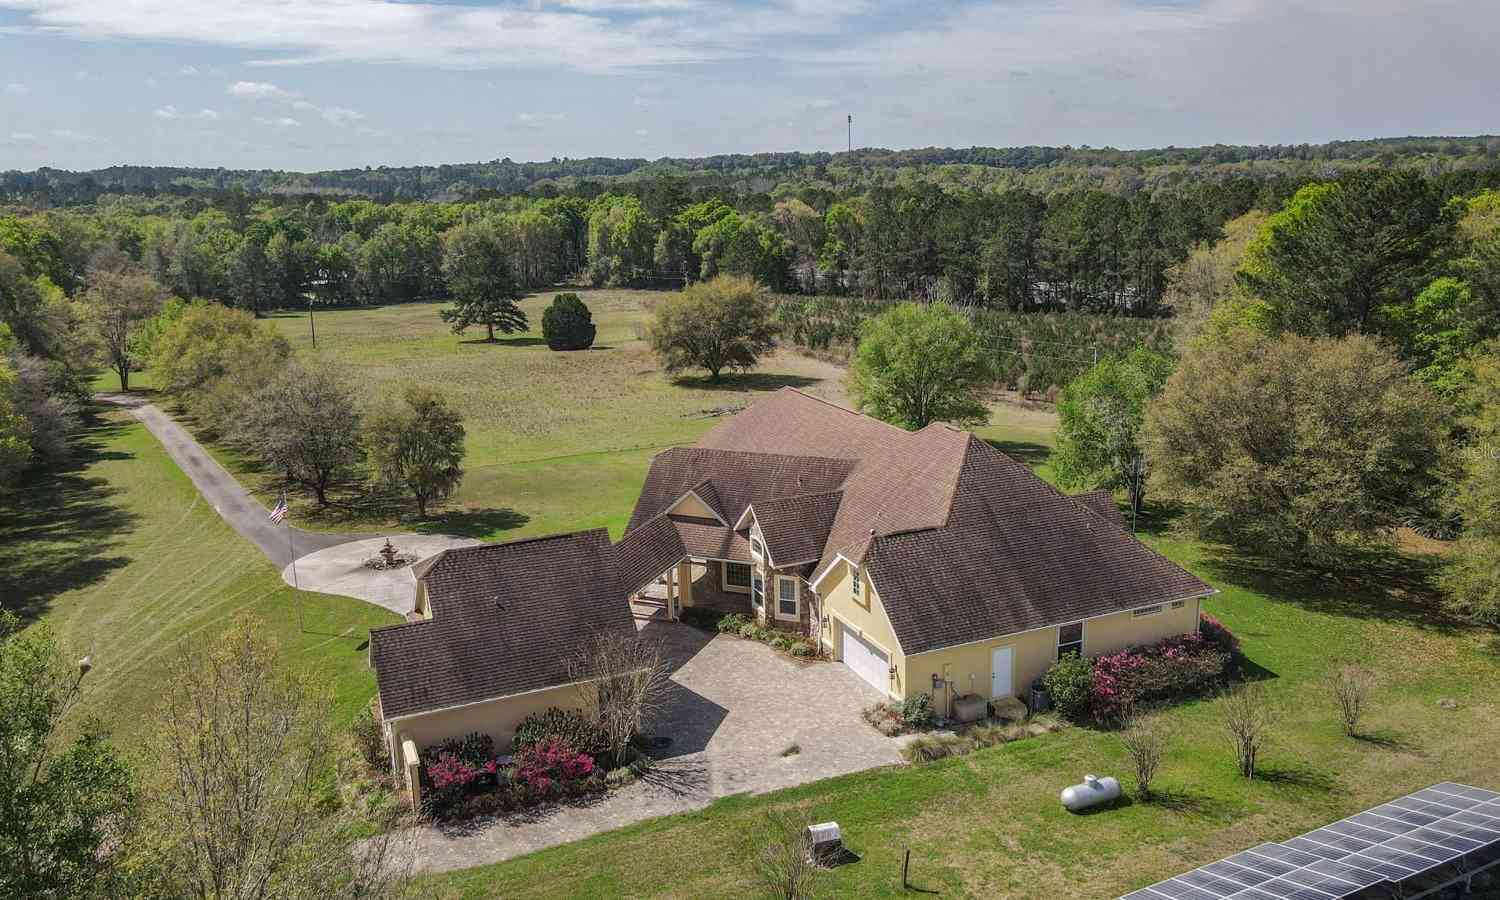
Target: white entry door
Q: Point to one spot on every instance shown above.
(867, 662)
(1001, 660)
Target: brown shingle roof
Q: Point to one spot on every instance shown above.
(737, 478)
(506, 619)
(796, 528)
(648, 551)
(1015, 555)
(1103, 503)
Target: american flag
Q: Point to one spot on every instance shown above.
(279, 513)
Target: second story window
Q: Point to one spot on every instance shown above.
(855, 584)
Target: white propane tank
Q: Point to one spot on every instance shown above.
(1094, 791)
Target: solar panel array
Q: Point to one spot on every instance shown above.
(1390, 844)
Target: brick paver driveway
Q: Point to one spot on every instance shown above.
(736, 708)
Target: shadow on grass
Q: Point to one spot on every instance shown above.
(1387, 587)
(506, 342)
(475, 523)
(1386, 739)
(1120, 802)
(60, 527)
(1027, 453)
(1297, 775)
(1189, 803)
(747, 382)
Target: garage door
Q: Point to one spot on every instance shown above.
(867, 662)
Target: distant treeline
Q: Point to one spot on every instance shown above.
(1041, 169)
(1079, 250)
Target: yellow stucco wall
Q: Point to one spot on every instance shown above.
(866, 618)
(496, 718)
(1111, 633)
(968, 666)
(966, 669)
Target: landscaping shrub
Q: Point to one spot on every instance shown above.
(1070, 686)
(803, 649)
(1218, 634)
(567, 324)
(1177, 667)
(550, 765)
(930, 748)
(367, 736)
(473, 748)
(567, 725)
(734, 623)
(916, 712)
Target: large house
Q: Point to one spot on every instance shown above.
(926, 562)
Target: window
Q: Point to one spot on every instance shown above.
(855, 585)
(1179, 604)
(1070, 640)
(786, 598)
(757, 549)
(736, 575)
(1145, 611)
(757, 590)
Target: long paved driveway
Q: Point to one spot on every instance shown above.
(280, 543)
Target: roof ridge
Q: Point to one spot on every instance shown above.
(845, 409)
(837, 490)
(516, 542)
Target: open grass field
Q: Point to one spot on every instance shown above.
(990, 825)
(556, 441)
(126, 562)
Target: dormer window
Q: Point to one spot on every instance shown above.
(854, 582)
(757, 549)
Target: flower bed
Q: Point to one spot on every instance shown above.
(797, 646)
(911, 715)
(463, 777)
(1106, 689)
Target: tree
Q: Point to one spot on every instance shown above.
(1295, 448)
(205, 343)
(417, 444)
(1339, 251)
(920, 364)
(567, 324)
(1100, 414)
(304, 423)
(1349, 686)
(622, 682)
(1145, 739)
(63, 804)
(239, 806)
(1471, 580)
(481, 280)
(1247, 717)
(723, 323)
(15, 428)
(118, 304)
(252, 283)
(783, 853)
(1436, 331)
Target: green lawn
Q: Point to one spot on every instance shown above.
(556, 441)
(127, 563)
(990, 824)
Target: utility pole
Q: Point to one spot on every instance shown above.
(312, 326)
(849, 136)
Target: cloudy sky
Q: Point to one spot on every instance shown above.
(311, 84)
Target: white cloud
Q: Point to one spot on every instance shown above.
(641, 132)
(279, 122)
(341, 115)
(258, 90)
(17, 89)
(172, 113)
(188, 71)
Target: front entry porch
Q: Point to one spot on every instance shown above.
(700, 583)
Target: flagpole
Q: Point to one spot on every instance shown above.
(292, 552)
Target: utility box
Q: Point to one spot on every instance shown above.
(969, 708)
(825, 842)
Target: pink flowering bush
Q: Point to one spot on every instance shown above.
(551, 763)
(1180, 666)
